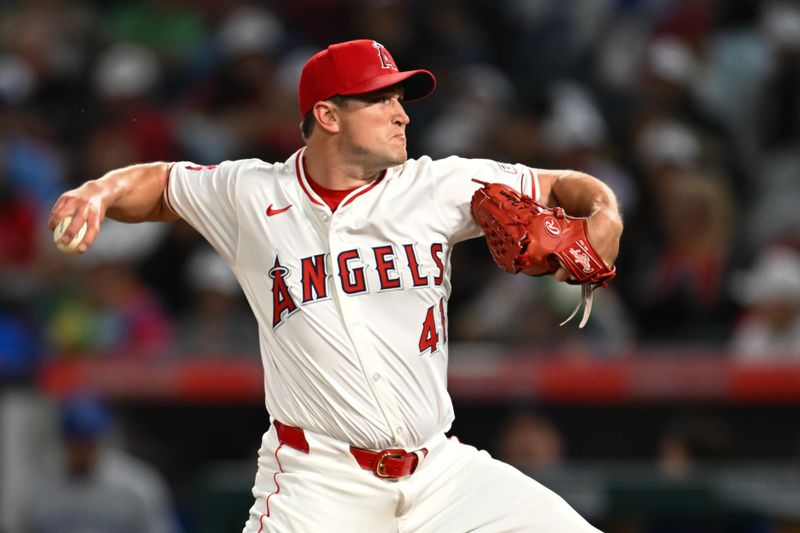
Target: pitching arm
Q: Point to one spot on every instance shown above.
(130, 194)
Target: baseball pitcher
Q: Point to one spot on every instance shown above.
(343, 251)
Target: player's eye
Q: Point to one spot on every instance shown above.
(389, 98)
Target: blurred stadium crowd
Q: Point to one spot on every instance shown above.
(689, 109)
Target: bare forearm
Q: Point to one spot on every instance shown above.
(130, 194)
(582, 195)
(136, 193)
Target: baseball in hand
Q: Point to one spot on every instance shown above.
(72, 246)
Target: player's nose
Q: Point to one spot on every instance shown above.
(401, 118)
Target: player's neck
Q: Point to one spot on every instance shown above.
(333, 172)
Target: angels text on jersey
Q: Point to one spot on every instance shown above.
(384, 267)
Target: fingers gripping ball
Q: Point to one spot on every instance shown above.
(72, 246)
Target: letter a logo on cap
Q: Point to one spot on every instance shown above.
(386, 59)
(349, 68)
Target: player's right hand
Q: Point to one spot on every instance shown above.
(84, 204)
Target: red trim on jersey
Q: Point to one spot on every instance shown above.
(300, 178)
(443, 319)
(166, 189)
(370, 187)
(271, 494)
(332, 197)
(534, 184)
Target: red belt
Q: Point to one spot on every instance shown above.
(391, 463)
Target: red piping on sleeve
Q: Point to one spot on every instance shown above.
(535, 192)
(166, 189)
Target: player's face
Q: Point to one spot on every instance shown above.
(373, 128)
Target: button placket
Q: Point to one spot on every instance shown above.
(352, 317)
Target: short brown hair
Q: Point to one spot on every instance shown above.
(307, 125)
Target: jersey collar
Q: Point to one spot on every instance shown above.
(314, 197)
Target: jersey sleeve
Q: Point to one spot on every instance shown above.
(454, 186)
(205, 196)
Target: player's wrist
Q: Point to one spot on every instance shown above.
(604, 229)
(608, 218)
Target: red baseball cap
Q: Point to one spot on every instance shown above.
(356, 67)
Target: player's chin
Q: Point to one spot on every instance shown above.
(399, 155)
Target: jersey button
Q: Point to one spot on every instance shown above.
(376, 376)
(324, 216)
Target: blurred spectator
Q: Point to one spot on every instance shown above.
(780, 100)
(129, 124)
(737, 59)
(656, 98)
(672, 86)
(112, 312)
(454, 35)
(241, 109)
(19, 344)
(389, 23)
(530, 441)
(129, 316)
(172, 28)
(497, 312)
(691, 439)
(680, 251)
(517, 310)
(473, 112)
(576, 136)
(769, 329)
(97, 488)
(772, 212)
(686, 281)
(690, 447)
(163, 267)
(18, 235)
(217, 322)
(31, 164)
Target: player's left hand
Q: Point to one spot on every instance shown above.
(604, 230)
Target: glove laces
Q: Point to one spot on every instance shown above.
(587, 295)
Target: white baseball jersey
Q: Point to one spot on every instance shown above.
(351, 305)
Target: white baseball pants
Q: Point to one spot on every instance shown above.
(455, 489)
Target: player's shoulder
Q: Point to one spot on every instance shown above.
(251, 165)
(257, 169)
(224, 167)
(428, 166)
(426, 163)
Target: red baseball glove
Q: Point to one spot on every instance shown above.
(526, 236)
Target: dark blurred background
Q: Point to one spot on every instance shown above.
(132, 373)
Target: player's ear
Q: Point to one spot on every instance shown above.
(327, 116)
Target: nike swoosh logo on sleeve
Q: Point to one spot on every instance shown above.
(272, 212)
